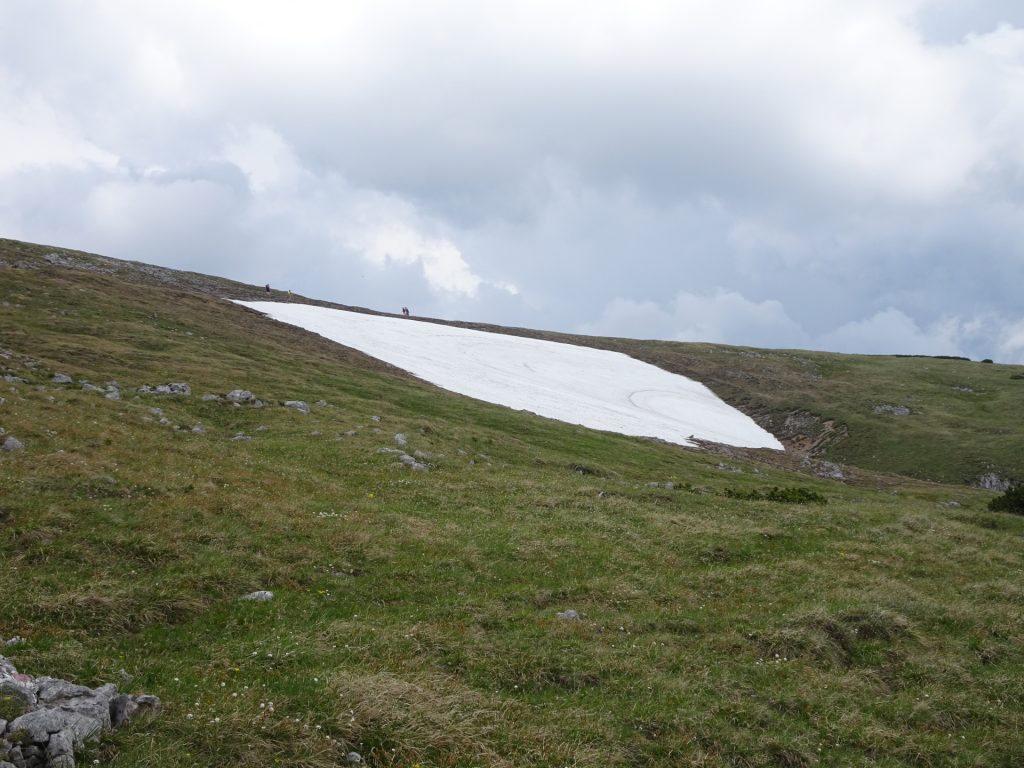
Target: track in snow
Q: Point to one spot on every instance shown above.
(591, 387)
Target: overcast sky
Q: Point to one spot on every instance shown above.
(830, 174)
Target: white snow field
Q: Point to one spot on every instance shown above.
(579, 385)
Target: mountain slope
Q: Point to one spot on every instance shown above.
(424, 616)
(940, 419)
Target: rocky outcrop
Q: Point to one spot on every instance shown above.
(43, 720)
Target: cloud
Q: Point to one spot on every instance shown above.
(789, 173)
(723, 316)
(893, 332)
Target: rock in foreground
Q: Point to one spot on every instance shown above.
(44, 720)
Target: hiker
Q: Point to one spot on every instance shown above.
(405, 311)
(268, 287)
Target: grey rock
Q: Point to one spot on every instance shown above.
(11, 443)
(568, 615)
(354, 758)
(422, 455)
(157, 411)
(198, 429)
(113, 394)
(241, 436)
(164, 421)
(297, 405)
(891, 410)
(87, 387)
(260, 596)
(351, 433)
(411, 463)
(16, 758)
(60, 750)
(990, 481)
(320, 403)
(209, 397)
(262, 428)
(174, 388)
(401, 439)
(239, 396)
(728, 468)
(5, 764)
(10, 378)
(375, 418)
(39, 724)
(257, 403)
(61, 378)
(387, 449)
(125, 707)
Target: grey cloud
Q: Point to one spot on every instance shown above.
(806, 173)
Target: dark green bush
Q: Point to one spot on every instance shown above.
(791, 495)
(1012, 501)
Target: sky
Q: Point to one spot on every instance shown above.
(845, 175)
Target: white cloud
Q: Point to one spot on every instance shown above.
(34, 134)
(723, 316)
(267, 161)
(891, 331)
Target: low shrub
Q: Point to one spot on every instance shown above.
(1012, 501)
(791, 495)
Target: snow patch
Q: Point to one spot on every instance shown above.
(579, 385)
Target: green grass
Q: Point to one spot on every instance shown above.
(415, 615)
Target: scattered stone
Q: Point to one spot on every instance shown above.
(198, 429)
(298, 405)
(177, 388)
(112, 394)
(209, 396)
(422, 455)
(411, 463)
(262, 428)
(241, 436)
(157, 411)
(239, 396)
(568, 615)
(10, 378)
(315, 433)
(354, 758)
(351, 433)
(387, 449)
(375, 418)
(320, 403)
(950, 504)
(728, 467)
(260, 596)
(87, 387)
(12, 443)
(401, 439)
(891, 410)
(164, 421)
(16, 640)
(666, 486)
(61, 378)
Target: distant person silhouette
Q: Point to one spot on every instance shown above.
(405, 311)
(268, 287)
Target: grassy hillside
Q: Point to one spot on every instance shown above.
(415, 616)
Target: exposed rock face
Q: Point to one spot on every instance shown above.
(990, 481)
(239, 396)
(51, 718)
